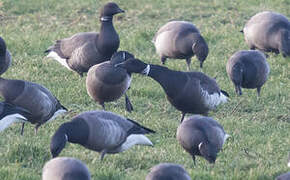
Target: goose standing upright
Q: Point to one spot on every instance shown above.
(107, 83)
(5, 57)
(188, 92)
(248, 69)
(100, 131)
(33, 97)
(201, 136)
(180, 40)
(83, 50)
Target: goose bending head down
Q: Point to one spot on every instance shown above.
(83, 50)
(100, 131)
(188, 92)
(106, 83)
(35, 98)
(201, 136)
(180, 40)
(168, 171)
(5, 57)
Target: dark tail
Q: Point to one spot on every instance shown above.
(47, 51)
(139, 129)
(242, 31)
(225, 93)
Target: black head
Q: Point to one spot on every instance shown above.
(2, 47)
(200, 49)
(133, 66)
(58, 142)
(110, 9)
(121, 56)
(208, 151)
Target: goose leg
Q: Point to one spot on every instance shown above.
(188, 61)
(103, 153)
(258, 91)
(129, 106)
(163, 59)
(36, 128)
(182, 116)
(238, 90)
(103, 105)
(193, 158)
(22, 129)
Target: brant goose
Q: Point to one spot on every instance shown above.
(5, 57)
(180, 40)
(83, 50)
(65, 168)
(268, 32)
(33, 97)
(100, 131)
(201, 136)
(107, 83)
(168, 171)
(188, 92)
(248, 69)
(10, 114)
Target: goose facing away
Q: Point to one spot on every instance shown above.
(5, 57)
(65, 168)
(83, 50)
(33, 97)
(107, 83)
(10, 114)
(100, 131)
(269, 32)
(248, 69)
(201, 136)
(168, 171)
(180, 40)
(188, 92)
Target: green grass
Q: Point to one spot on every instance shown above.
(259, 127)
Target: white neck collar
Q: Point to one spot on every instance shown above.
(106, 18)
(146, 70)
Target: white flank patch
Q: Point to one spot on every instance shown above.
(289, 163)
(57, 113)
(135, 139)
(213, 100)
(10, 119)
(225, 138)
(56, 57)
(162, 43)
(128, 82)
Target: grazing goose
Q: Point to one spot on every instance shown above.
(268, 32)
(100, 131)
(285, 176)
(180, 40)
(34, 98)
(248, 69)
(10, 114)
(201, 136)
(65, 168)
(188, 92)
(168, 171)
(5, 57)
(83, 50)
(107, 83)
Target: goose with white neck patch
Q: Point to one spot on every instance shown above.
(83, 50)
(106, 83)
(100, 131)
(35, 98)
(201, 136)
(5, 57)
(188, 92)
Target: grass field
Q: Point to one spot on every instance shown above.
(259, 127)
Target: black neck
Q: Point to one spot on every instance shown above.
(169, 80)
(77, 131)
